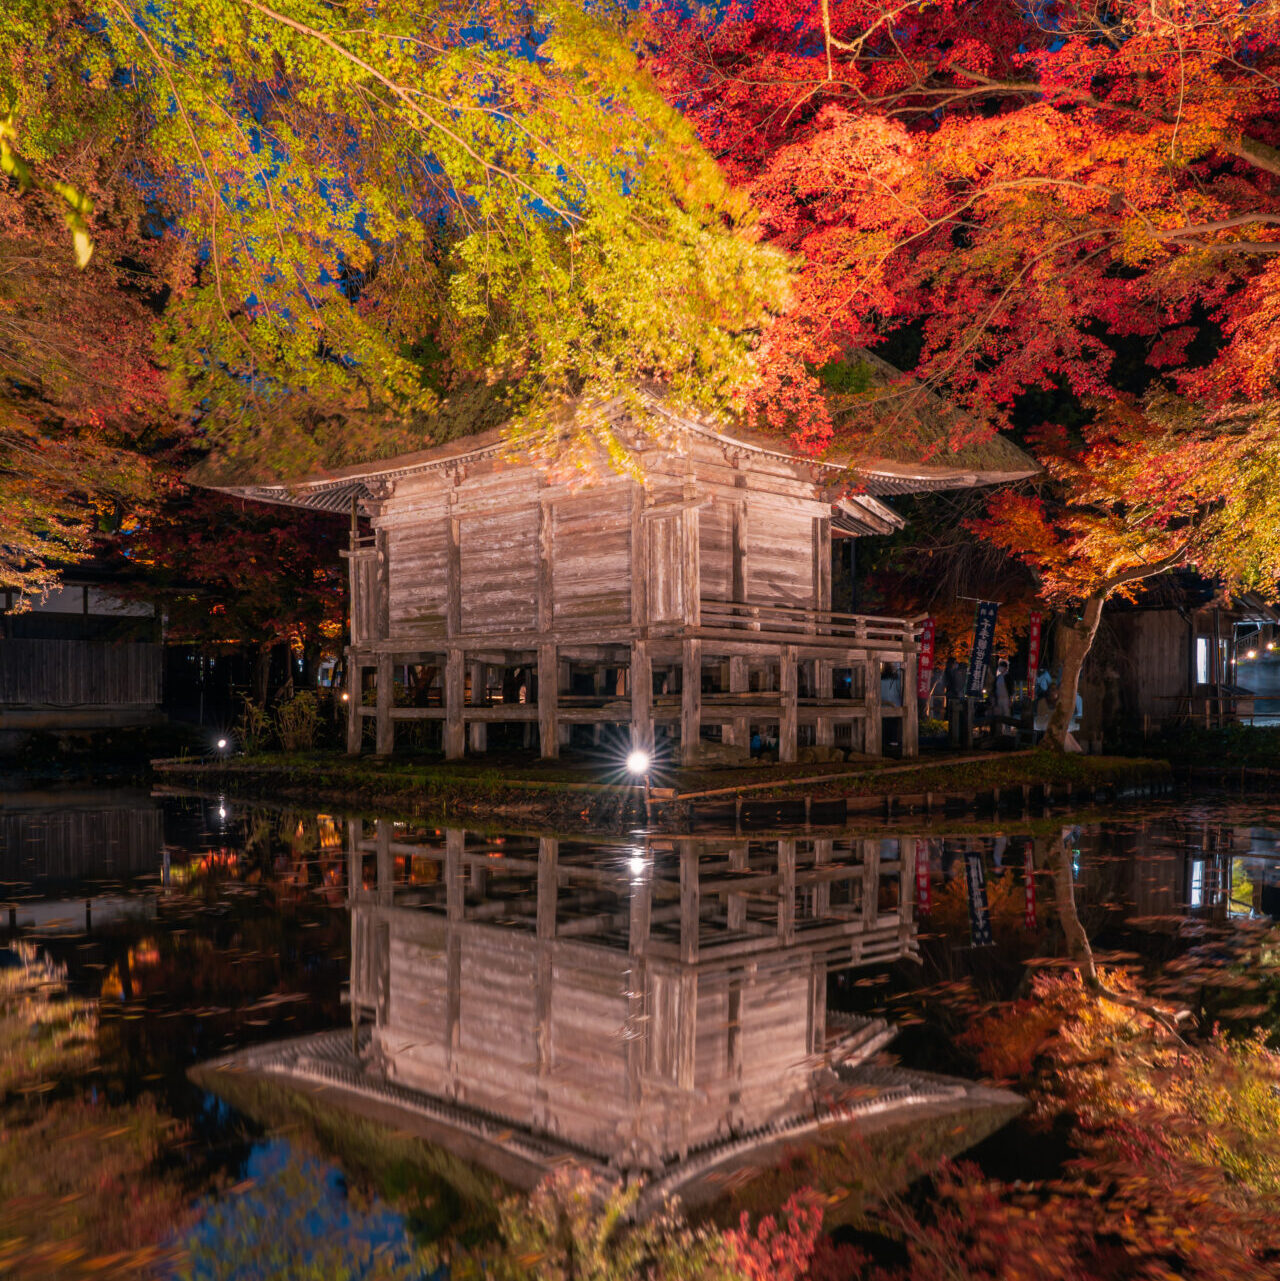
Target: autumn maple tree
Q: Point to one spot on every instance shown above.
(379, 211)
(79, 389)
(1005, 196)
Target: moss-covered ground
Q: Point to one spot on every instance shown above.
(583, 795)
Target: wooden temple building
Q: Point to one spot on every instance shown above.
(692, 605)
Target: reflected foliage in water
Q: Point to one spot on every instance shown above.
(290, 1216)
(236, 930)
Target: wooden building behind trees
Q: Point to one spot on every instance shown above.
(690, 602)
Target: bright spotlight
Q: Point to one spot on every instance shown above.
(346, 698)
(1253, 653)
(222, 744)
(638, 762)
(1271, 644)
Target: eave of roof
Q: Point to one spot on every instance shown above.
(336, 489)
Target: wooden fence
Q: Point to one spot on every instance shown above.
(76, 673)
(68, 844)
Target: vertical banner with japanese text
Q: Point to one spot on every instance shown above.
(1033, 649)
(923, 891)
(979, 910)
(984, 630)
(924, 669)
(1029, 875)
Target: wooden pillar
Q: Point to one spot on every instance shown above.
(690, 901)
(874, 739)
(822, 567)
(788, 683)
(386, 865)
(548, 885)
(355, 860)
(455, 739)
(733, 1051)
(736, 904)
(599, 685)
(385, 742)
(870, 882)
(786, 893)
(690, 700)
(355, 700)
(816, 1022)
(564, 683)
(478, 731)
(910, 704)
(640, 684)
(740, 585)
(548, 701)
(823, 687)
(691, 561)
(738, 730)
(548, 888)
(453, 577)
(455, 841)
(822, 855)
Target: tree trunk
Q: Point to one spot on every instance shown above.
(1080, 951)
(1073, 642)
(262, 673)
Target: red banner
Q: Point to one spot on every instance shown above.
(922, 878)
(924, 669)
(1033, 650)
(1029, 874)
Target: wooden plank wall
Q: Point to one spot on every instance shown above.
(418, 557)
(715, 531)
(68, 844)
(779, 553)
(591, 557)
(72, 673)
(500, 565)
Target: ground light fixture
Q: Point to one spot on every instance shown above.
(638, 762)
(1253, 653)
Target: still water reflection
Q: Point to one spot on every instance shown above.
(631, 1001)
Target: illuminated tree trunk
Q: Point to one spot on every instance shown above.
(1074, 641)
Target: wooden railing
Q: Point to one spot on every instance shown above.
(895, 633)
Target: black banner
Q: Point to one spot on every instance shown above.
(979, 912)
(984, 630)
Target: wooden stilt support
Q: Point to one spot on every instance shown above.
(355, 700)
(478, 731)
(690, 700)
(640, 684)
(910, 705)
(385, 742)
(739, 683)
(455, 740)
(788, 681)
(548, 701)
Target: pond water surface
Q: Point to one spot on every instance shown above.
(184, 929)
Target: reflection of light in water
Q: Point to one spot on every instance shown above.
(1197, 883)
(637, 865)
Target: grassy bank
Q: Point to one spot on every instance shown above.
(581, 797)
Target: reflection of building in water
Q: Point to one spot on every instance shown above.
(636, 1003)
(67, 836)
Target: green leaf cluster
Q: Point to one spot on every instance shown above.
(499, 185)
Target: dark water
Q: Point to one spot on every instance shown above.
(197, 927)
